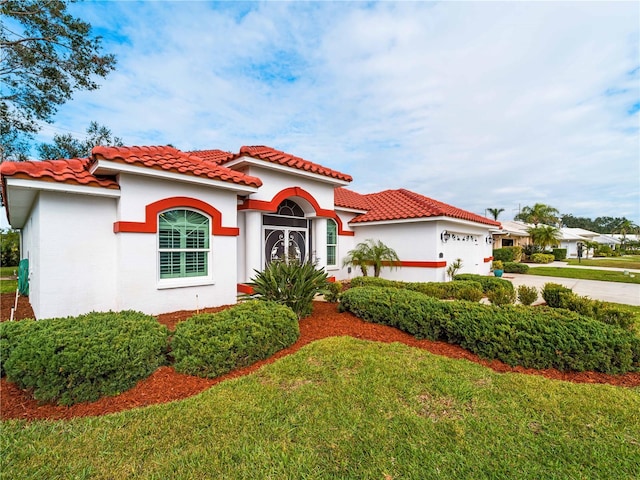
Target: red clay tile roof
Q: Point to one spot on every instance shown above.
(215, 156)
(173, 160)
(74, 171)
(404, 204)
(343, 197)
(272, 155)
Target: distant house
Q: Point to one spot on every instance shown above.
(156, 229)
(511, 234)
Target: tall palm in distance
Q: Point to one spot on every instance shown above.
(539, 213)
(495, 212)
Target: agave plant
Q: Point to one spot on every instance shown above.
(291, 283)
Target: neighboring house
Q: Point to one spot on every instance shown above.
(512, 234)
(156, 229)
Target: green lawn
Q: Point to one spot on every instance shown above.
(8, 271)
(585, 274)
(8, 286)
(348, 408)
(628, 261)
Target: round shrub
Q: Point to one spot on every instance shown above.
(501, 296)
(542, 258)
(211, 344)
(80, 359)
(514, 267)
(333, 292)
(527, 295)
(551, 294)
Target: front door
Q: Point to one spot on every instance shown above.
(286, 234)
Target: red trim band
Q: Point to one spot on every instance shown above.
(488, 259)
(408, 263)
(150, 224)
(244, 288)
(272, 206)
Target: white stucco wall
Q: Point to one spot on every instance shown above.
(30, 249)
(74, 254)
(139, 286)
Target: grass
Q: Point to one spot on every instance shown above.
(8, 286)
(628, 261)
(585, 274)
(8, 271)
(348, 408)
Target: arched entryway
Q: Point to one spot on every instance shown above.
(286, 234)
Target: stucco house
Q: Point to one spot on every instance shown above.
(157, 229)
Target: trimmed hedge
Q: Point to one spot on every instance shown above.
(462, 290)
(542, 258)
(487, 283)
(211, 344)
(80, 359)
(551, 293)
(508, 254)
(514, 267)
(559, 253)
(538, 337)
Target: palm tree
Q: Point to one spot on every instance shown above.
(544, 235)
(495, 212)
(371, 253)
(624, 227)
(539, 213)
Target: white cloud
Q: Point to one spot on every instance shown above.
(472, 103)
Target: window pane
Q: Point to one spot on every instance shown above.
(331, 255)
(183, 240)
(332, 232)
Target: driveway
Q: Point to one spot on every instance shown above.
(628, 293)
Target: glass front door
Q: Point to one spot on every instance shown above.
(286, 234)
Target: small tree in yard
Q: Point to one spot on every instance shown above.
(544, 235)
(454, 267)
(371, 253)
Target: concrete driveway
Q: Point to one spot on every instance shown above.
(627, 293)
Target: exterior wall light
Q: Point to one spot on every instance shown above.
(445, 236)
(489, 239)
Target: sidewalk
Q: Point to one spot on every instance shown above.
(627, 293)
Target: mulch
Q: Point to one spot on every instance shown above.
(166, 385)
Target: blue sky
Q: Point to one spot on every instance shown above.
(477, 104)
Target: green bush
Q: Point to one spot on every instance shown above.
(211, 344)
(542, 258)
(461, 290)
(505, 254)
(9, 247)
(527, 295)
(487, 283)
(10, 335)
(551, 293)
(537, 337)
(559, 253)
(513, 267)
(290, 283)
(501, 296)
(80, 359)
(497, 265)
(597, 309)
(333, 292)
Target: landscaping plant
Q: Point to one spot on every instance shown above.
(460, 290)
(527, 295)
(211, 344)
(291, 283)
(537, 337)
(514, 267)
(80, 359)
(333, 292)
(371, 253)
(501, 296)
(487, 283)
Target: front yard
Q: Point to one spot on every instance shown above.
(348, 408)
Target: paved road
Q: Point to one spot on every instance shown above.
(628, 293)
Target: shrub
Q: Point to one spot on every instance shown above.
(505, 254)
(527, 295)
(211, 344)
(501, 296)
(529, 250)
(513, 267)
(333, 292)
(291, 283)
(80, 359)
(559, 253)
(551, 293)
(10, 335)
(596, 309)
(542, 258)
(538, 337)
(9, 247)
(487, 283)
(497, 265)
(461, 290)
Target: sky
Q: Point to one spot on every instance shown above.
(476, 104)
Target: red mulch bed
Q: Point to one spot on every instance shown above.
(166, 385)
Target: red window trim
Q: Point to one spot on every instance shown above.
(150, 224)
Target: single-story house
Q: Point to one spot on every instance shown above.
(157, 229)
(512, 234)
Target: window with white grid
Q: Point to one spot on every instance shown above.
(332, 243)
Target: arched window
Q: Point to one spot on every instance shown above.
(332, 243)
(183, 244)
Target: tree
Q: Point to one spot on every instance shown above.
(47, 54)
(624, 227)
(371, 253)
(539, 213)
(66, 146)
(495, 212)
(544, 235)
